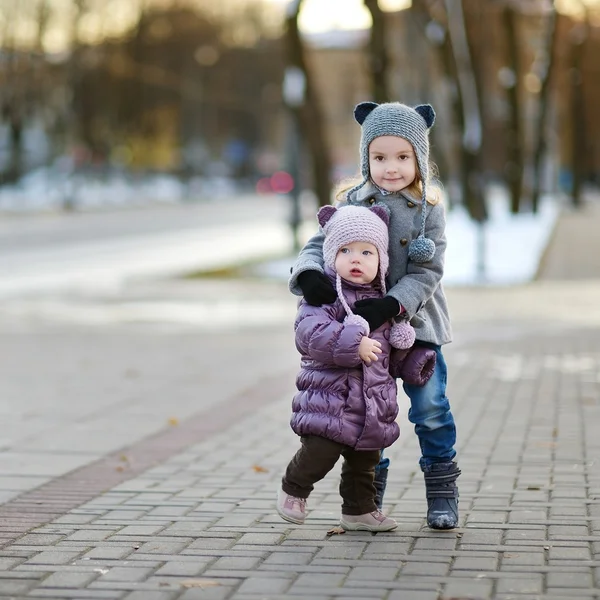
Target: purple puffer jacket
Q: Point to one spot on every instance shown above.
(339, 397)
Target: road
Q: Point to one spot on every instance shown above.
(78, 252)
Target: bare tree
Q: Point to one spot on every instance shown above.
(309, 113)
(378, 56)
(546, 77)
(578, 37)
(445, 26)
(516, 155)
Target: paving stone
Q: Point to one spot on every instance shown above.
(413, 595)
(151, 595)
(88, 535)
(349, 551)
(373, 573)
(140, 530)
(441, 543)
(475, 563)
(230, 563)
(213, 593)
(579, 580)
(63, 594)
(264, 586)
(468, 589)
(532, 584)
(137, 573)
(10, 587)
(69, 579)
(108, 553)
(53, 557)
(523, 558)
(569, 553)
(36, 539)
(425, 568)
(260, 538)
(159, 546)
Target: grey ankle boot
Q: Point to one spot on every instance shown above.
(442, 495)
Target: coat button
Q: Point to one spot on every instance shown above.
(403, 242)
(371, 201)
(410, 204)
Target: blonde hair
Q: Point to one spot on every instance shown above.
(434, 190)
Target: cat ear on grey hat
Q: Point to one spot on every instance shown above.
(427, 112)
(382, 212)
(325, 213)
(363, 110)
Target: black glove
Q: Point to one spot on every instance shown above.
(316, 288)
(376, 311)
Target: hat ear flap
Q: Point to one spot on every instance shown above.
(363, 110)
(325, 213)
(382, 212)
(427, 112)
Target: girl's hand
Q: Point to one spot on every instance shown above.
(376, 311)
(368, 350)
(316, 288)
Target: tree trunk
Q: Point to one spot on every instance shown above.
(515, 155)
(378, 57)
(15, 164)
(543, 102)
(308, 114)
(578, 125)
(470, 115)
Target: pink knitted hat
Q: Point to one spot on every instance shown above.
(348, 224)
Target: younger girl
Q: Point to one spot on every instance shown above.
(394, 162)
(346, 402)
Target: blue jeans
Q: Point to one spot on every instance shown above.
(430, 413)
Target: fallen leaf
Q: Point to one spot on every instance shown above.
(119, 468)
(336, 531)
(173, 421)
(199, 583)
(123, 458)
(259, 469)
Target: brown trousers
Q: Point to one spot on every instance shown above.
(317, 456)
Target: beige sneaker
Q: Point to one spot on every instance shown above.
(373, 521)
(290, 508)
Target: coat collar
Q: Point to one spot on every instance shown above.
(370, 190)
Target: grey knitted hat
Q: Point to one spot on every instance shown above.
(412, 124)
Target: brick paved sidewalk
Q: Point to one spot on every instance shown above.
(525, 389)
(202, 524)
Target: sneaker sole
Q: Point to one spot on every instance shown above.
(290, 519)
(441, 525)
(362, 527)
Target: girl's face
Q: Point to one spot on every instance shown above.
(392, 163)
(357, 262)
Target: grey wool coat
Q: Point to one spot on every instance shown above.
(416, 286)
